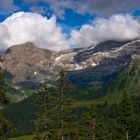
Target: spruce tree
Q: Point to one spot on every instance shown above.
(3, 91)
(125, 117)
(93, 124)
(44, 124)
(6, 127)
(56, 117)
(65, 109)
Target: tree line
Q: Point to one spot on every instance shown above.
(61, 118)
(6, 127)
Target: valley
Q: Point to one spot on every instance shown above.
(29, 66)
(69, 70)
(100, 73)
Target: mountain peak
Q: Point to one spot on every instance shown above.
(28, 46)
(29, 43)
(27, 62)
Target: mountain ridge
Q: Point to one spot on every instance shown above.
(28, 63)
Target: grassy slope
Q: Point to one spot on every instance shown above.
(13, 92)
(23, 113)
(128, 79)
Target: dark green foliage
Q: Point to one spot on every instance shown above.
(26, 109)
(3, 91)
(125, 116)
(56, 111)
(22, 115)
(47, 103)
(65, 108)
(6, 127)
(96, 91)
(113, 117)
(93, 124)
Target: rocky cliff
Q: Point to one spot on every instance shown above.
(28, 63)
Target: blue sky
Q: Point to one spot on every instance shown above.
(70, 19)
(71, 16)
(74, 17)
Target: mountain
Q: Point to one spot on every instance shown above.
(30, 66)
(114, 64)
(128, 80)
(26, 62)
(110, 92)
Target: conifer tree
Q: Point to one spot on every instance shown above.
(56, 118)
(125, 117)
(65, 108)
(45, 122)
(6, 127)
(3, 91)
(93, 124)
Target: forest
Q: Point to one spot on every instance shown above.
(60, 116)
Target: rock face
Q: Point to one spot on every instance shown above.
(28, 63)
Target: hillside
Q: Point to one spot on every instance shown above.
(69, 70)
(30, 66)
(101, 93)
(14, 92)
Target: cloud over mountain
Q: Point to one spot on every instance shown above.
(22, 27)
(95, 7)
(117, 27)
(46, 33)
(59, 7)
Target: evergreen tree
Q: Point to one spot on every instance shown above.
(6, 127)
(65, 109)
(56, 117)
(45, 122)
(136, 107)
(94, 126)
(3, 91)
(125, 120)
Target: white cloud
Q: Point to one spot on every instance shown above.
(22, 27)
(45, 33)
(94, 7)
(117, 27)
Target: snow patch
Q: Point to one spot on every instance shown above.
(118, 49)
(35, 73)
(78, 67)
(94, 64)
(58, 58)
